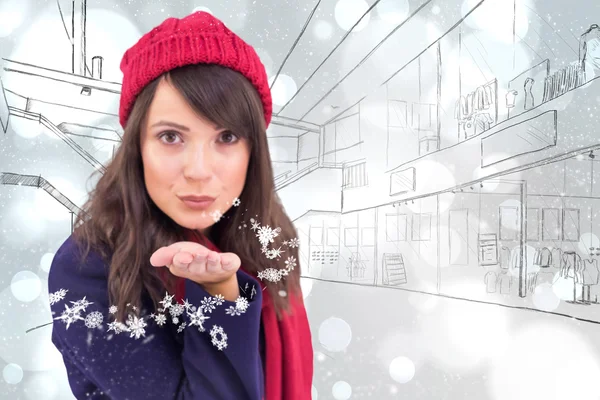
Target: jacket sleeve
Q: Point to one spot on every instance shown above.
(206, 348)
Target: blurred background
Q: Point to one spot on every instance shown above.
(438, 159)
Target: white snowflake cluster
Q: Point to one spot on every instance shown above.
(266, 235)
(57, 296)
(135, 325)
(216, 215)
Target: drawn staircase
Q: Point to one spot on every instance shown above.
(7, 178)
(64, 137)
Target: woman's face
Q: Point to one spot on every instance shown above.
(185, 155)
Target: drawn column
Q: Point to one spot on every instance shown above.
(522, 239)
(321, 157)
(78, 26)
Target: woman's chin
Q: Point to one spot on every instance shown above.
(196, 223)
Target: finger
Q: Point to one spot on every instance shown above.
(198, 266)
(213, 262)
(183, 258)
(164, 255)
(230, 261)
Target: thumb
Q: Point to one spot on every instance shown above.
(163, 256)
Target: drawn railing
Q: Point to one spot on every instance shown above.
(282, 176)
(7, 178)
(296, 175)
(87, 156)
(305, 171)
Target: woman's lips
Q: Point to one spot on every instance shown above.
(197, 202)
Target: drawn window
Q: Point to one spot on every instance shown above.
(403, 181)
(395, 227)
(398, 114)
(458, 233)
(347, 132)
(550, 224)
(367, 237)
(333, 237)
(421, 227)
(509, 223)
(351, 237)
(316, 235)
(355, 176)
(533, 224)
(571, 224)
(424, 116)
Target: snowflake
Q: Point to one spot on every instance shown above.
(175, 320)
(70, 315)
(233, 311)
(270, 274)
(293, 243)
(208, 304)
(94, 319)
(255, 225)
(187, 305)
(266, 235)
(274, 253)
(57, 296)
(81, 304)
(241, 303)
(136, 326)
(176, 310)
(236, 202)
(181, 328)
(117, 327)
(160, 319)
(219, 299)
(197, 319)
(219, 343)
(216, 215)
(290, 263)
(167, 301)
(113, 309)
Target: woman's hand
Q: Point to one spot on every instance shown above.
(195, 262)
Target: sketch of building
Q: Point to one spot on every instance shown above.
(433, 155)
(459, 178)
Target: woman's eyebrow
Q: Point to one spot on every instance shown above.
(172, 125)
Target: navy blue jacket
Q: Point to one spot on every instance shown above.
(149, 360)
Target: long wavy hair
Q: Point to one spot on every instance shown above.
(122, 223)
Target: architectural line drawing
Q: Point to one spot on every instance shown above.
(4, 110)
(435, 294)
(327, 57)
(361, 62)
(7, 178)
(293, 46)
(65, 138)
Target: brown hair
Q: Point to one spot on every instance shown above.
(126, 227)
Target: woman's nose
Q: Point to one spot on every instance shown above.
(198, 164)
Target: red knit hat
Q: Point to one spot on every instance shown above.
(198, 38)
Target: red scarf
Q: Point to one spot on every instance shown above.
(288, 344)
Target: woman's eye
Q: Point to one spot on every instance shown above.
(168, 137)
(228, 137)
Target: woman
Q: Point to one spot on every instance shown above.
(192, 177)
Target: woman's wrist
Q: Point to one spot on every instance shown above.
(229, 288)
